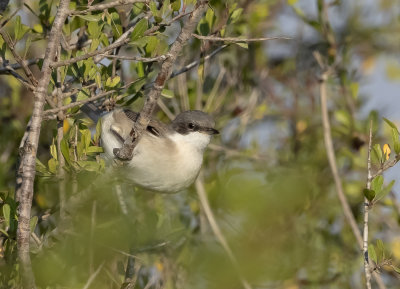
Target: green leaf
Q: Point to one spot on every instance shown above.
(383, 193)
(94, 149)
(377, 183)
(41, 168)
(176, 5)
(372, 253)
(52, 164)
(139, 29)
(391, 124)
(343, 117)
(6, 214)
(86, 17)
(33, 222)
(167, 93)
(381, 249)
(113, 81)
(377, 152)
(53, 150)
(369, 194)
(396, 269)
(235, 15)
(243, 45)
(86, 138)
(65, 150)
(395, 139)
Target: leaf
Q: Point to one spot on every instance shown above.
(6, 214)
(376, 184)
(94, 149)
(395, 139)
(41, 168)
(386, 151)
(33, 222)
(369, 194)
(372, 253)
(381, 249)
(343, 117)
(52, 164)
(38, 28)
(377, 152)
(235, 15)
(113, 81)
(243, 45)
(354, 87)
(65, 150)
(53, 150)
(91, 166)
(167, 93)
(86, 17)
(391, 124)
(86, 137)
(383, 193)
(139, 29)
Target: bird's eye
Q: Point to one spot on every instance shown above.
(191, 125)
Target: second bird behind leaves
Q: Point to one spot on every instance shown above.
(168, 157)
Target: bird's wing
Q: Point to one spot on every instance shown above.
(155, 127)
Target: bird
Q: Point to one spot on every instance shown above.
(168, 157)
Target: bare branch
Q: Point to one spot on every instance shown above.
(49, 112)
(367, 269)
(22, 62)
(125, 153)
(136, 58)
(6, 69)
(201, 192)
(24, 193)
(119, 42)
(239, 40)
(104, 6)
(386, 165)
(332, 163)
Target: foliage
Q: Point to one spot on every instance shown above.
(268, 179)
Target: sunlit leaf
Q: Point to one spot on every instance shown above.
(386, 151)
(372, 253)
(139, 29)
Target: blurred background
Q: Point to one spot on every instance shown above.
(267, 176)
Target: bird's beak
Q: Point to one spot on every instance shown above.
(209, 130)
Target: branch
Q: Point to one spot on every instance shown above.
(104, 6)
(201, 192)
(332, 163)
(123, 39)
(125, 153)
(73, 104)
(367, 269)
(136, 58)
(386, 165)
(22, 62)
(238, 40)
(28, 159)
(15, 66)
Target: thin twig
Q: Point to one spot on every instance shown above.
(332, 163)
(93, 276)
(190, 65)
(119, 42)
(201, 192)
(54, 111)
(125, 153)
(238, 40)
(15, 66)
(104, 6)
(386, 165)
(136, 58)
(367, 269)
(22, 62)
